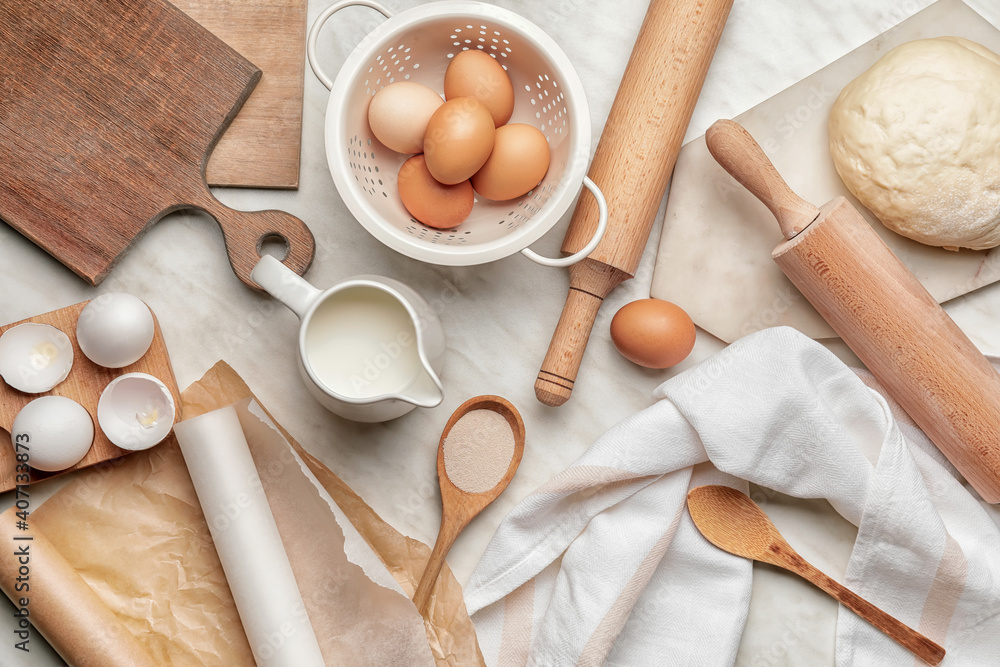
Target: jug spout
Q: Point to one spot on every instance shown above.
(425, 390)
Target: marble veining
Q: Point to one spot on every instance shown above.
(499, 317)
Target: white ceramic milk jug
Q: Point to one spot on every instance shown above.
(370, 347)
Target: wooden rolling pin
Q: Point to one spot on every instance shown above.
(634, 159)
(918, 353)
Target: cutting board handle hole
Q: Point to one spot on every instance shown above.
(273, 244)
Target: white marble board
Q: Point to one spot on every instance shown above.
(714, 256)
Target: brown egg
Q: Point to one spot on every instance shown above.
(430, 202)
(458, 140)
(518, 163)
(653, 333)
(398, 115)
(474, 73)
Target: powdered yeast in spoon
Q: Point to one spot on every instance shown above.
(478, 450)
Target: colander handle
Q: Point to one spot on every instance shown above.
(602, 226)
(318, 25)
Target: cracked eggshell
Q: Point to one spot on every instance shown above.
(136, 411)
(115, 330)
(34, 358)
(56, 430)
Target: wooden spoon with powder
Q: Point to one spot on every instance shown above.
(480, 449)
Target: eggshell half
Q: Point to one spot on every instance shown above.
(34, 358)
(115, 330)
(55, 431)
(136, 411)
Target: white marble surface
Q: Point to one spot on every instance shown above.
(498, 317)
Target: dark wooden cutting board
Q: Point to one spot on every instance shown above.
(108, 112)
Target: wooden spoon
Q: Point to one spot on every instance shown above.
(733, 522)
(459, 507)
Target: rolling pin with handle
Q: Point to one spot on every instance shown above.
(845, 270)
(633, 162)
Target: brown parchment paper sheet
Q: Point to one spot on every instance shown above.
(132, 532)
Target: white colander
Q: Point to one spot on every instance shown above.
(416, 45)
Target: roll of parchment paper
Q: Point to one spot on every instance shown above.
(246, 537)
(50, 594)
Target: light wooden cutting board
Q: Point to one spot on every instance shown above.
(261, 149)
(714, 257)
(84, 384)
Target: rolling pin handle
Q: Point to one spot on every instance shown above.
(590, 281)
(737, 152)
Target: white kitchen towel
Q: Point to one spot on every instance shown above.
(602, 565)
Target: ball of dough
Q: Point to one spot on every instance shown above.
(916, 139)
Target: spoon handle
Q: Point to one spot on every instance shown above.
(906, 637)
(446, 537)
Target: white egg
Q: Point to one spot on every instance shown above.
(34, 358)
(115, 330)
(55, 431)
(136, 411)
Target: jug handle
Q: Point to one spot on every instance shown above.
(284, 285)
(602, 226)
(318, 25)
